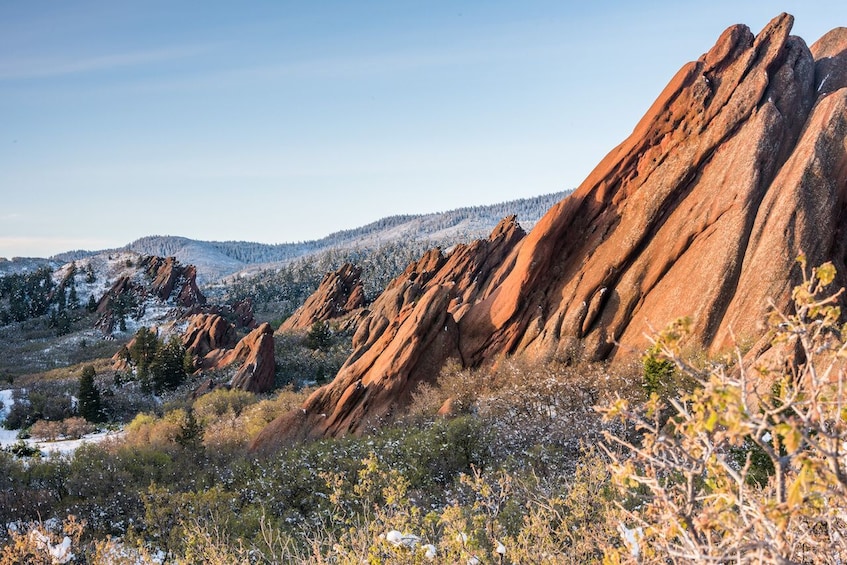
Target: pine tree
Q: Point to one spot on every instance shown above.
(319, 336)
(167, 369)
(90, 407)
(92, 304)
(190, 432)
(73, 300)
(143, 350)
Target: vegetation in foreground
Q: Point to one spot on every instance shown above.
(687, 464)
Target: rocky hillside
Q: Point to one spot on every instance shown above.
(738, 166)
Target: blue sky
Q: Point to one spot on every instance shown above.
(283, 121)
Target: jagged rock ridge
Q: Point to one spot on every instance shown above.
(213, 343)
(406, 336)
(740, 164)
(160, 279)
(340, 293)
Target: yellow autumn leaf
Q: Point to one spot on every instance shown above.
(826, 273)
(711, 422)
(791, 436)
(795, 491)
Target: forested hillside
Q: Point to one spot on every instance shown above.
(216, 259)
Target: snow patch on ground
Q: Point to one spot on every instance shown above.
(6, 401)
(47, 448)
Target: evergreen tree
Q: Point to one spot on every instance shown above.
(92, 304)
(89, 396)
(89, 274)
(73, 299)
(143, 350)
(62, 322)
(319, 336)
(190, 432)
(167, 369)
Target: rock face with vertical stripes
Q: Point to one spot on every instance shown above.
(738, 166)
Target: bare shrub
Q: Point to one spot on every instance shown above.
(148, 430)
(217, 403)
(46, 430)
(36, 544)
(77, 427)
(238, 422)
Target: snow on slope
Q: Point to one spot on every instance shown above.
(108, 267)
(217, 259)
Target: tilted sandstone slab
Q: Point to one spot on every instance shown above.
(207, 333)
(339, 293)
(255, 355)
(404, 340)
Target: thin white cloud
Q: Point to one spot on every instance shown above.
(47, 68)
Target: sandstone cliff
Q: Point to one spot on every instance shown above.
(739, 165)
(405, 338)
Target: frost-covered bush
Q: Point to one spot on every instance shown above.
(73, 428)
(122, 401)
(300, 365)
(37, 544)
(217, 403)
(76, 427)
(231, 419)
(176, 428)
(536, 414)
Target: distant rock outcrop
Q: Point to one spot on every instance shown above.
(172, 281)
(214, 344)
(207, 333)
(739, 165)
(338, 294)
(163, 280)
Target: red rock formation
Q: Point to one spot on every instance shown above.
(405, 339)
(338, 294)
(240, 313)
(170, 280)
(122, 286)
(255, 353)
(739, 165)
(243, 312)
(214, 344)
(207, 333)
(700, 212)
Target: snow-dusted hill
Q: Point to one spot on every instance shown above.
(217, 259)
(18, 265)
